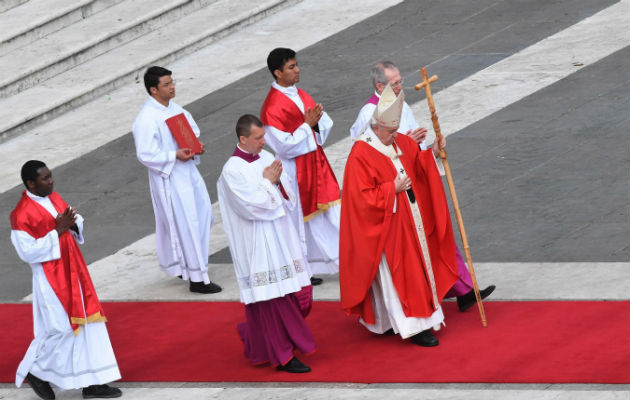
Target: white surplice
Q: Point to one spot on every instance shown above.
(266, 250)
(321, 233)
(388, 312)
(183, 212)
(407, 121)
(56, 355)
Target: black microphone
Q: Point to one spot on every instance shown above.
(412, 197)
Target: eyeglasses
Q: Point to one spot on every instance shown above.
(393, 84)
(397, 83)
(168, 84)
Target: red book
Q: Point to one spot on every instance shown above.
(183, 134)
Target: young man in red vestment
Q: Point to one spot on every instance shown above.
(397, 249)
(71, 348)
(296, 128)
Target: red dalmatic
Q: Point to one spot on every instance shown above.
(316, 181)
(66, 273)
(370, 227)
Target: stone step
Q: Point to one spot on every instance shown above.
(35, 19)
(6, 5)
(77, 43)
(125, 64)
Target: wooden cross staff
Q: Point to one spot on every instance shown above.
(449, 178)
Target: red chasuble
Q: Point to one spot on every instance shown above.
(369, 228)
(65, 273)
(317, 184)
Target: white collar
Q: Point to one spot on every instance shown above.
(159, 105)
(370, 138)
(36, 197)
(241, 149)
(289, 91)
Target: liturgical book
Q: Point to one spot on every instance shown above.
(183, 134)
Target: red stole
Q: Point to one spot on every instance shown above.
(65, 273)
(317, 184)
(369, 228)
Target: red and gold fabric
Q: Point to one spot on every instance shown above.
(68, 276)
(376, 220)
(318, 187)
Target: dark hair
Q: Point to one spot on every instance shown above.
(29, 170)
(153, 75)
(277, 58)
(244, 125)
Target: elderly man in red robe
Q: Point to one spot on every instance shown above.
(397, 249)
(385, 72)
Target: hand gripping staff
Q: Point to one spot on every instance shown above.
(449, 178)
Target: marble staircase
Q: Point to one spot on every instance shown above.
(60, 54)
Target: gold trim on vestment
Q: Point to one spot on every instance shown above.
(394, 155)
(321, 208)
(96, 317)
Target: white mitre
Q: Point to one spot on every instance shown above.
(389, 108)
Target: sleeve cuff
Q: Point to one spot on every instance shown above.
(273, 191)
(311, 138)
(79, 235)
(56, 250)
(172, 158)
(438, 163)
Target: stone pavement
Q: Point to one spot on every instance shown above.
(533, 96)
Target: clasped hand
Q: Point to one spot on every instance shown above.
(273, 171)
(418, 135)
(65, 220)
(402, 182)
(313, 115)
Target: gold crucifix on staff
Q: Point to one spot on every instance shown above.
(426, 85)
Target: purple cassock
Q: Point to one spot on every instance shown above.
(464, 283)
(275, 328)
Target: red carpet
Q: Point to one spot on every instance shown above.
(525, 342)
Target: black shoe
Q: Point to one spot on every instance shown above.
(389, 332)
(40, 387)
(316, 281)
(200, 287)
(294, 366)
(101, 392)
(468, 300)
(425, 339)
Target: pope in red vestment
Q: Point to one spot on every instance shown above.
(379, 229)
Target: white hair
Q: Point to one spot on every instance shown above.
(378, 72)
